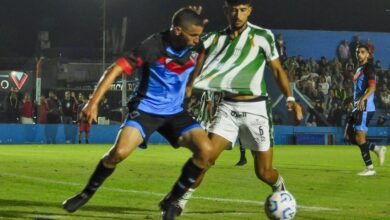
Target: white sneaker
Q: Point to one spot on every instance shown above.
(381, 153)
(367, 172)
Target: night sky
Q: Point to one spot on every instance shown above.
(78, 23)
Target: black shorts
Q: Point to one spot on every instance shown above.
(361, 119)
(169, 126)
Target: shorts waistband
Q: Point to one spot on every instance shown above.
(257, 99)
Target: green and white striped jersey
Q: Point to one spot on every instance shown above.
(237, 65)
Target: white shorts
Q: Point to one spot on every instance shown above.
(250, 121)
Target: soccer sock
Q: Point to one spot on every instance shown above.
(189, 174)
(242, 152)
(372, 147)
(184, 199)
(279, 185)
(364, 148)
(99, 175)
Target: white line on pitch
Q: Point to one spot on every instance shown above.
(44, 180)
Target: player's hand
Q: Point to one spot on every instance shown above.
(297, 108)
(89, 113)
(198, 10)
(361, 105)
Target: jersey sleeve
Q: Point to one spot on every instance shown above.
(143, 54)
(266, 40)
(370, 75)
(208, 39)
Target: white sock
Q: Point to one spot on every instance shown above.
(184, 199)
(279, 185)
(370, 167)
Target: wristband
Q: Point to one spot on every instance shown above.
(290, 99)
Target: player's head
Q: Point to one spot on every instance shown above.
(187, 25)
(238, 12)
(363, 54)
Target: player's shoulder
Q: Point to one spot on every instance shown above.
(369, 68)
(210, 35)
(260, 31)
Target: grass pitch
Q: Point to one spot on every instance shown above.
(35, 179)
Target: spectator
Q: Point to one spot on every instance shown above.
(54, 112)
(370, 47)
(68, 107)
(381, 121)
(42, 110)
(339, 114)
(75, 106)
(378, 66)
(352, 48)
(344, 52)
(84, 126)
(332, 114)
(277, 119)
(385, 98)
(12, 106)
(323, 65)
(340, 92)
(336, 66)
(104, 108)
(281, 47)
(323, 86)
(312, 65)
(27, 110)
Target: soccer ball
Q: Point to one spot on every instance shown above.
(280, 206)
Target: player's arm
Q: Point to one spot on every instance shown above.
(89, 111)
(370, 89)
(284, 85)
(195, 73)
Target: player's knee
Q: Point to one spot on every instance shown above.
(203, 155)
(359, 139)
(116, 156)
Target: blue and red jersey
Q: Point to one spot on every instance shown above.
(164, 74)
(364, 76)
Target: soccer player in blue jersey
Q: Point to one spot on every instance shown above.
(166, 60)
(363, 110)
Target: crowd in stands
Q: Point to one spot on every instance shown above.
(325, 83)
(328, 83)
(52, 109)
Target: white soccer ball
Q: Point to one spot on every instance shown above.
(280, 206)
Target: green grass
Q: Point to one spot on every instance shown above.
(35, 179)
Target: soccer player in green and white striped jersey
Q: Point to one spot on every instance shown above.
(234, 64)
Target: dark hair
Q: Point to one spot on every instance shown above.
(185, 17)
(365, 46)
(239, 2)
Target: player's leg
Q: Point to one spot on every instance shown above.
(265, 172)
(364, 147)
(222, 133)
(80, 136)
(183, 130)
(361, 121)
(127, 140)
(380, 152)
(88, 128)
(242, 160)
(219, 144)
(86, 137)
